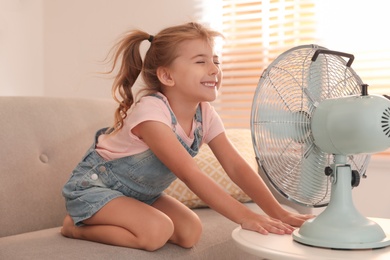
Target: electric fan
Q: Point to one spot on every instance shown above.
(313, 127)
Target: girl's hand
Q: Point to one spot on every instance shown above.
(265, 225)
(295, 219)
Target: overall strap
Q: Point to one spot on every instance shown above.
(198, 133)
(173, 117)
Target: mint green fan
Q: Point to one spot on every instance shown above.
(314, 127)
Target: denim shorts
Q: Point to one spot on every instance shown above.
(95, 182)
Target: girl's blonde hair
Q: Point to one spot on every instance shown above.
(162, 52)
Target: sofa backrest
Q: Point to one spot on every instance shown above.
(41, 141)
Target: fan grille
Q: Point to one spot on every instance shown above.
(386, 122)
(287, 94)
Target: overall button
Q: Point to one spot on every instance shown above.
(94, 176)
(102, 168)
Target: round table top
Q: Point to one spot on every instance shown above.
(283, 247)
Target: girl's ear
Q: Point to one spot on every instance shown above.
(165, 76)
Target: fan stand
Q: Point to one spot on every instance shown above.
(340, 225)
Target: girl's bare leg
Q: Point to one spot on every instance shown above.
(124, 222)
(187, 226)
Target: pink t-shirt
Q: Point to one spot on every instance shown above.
(149, 108)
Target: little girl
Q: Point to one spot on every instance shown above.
(115, 194)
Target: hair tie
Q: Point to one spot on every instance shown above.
(151, 37)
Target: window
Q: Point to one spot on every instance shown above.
(256, 33)
(360, 30)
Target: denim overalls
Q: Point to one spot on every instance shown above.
(95, 181)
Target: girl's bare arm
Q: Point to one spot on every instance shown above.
(250, 182)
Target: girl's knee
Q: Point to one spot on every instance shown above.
(196, 233)
(157, 235)
(188, 236)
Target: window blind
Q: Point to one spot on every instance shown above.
(256, 33)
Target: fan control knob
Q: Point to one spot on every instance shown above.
(355, 178)
(364, 89)
(328, 171)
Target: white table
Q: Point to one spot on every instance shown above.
(283, 247)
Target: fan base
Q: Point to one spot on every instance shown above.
(343, 238)
(340, 225)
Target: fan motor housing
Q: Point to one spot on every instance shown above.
(351, 125)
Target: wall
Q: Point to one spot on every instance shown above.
(55, 47)
(21, 48)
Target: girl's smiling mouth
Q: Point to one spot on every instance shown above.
(210, 84)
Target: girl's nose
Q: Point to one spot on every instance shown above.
(214, 69)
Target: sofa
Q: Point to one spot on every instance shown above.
(42, 140)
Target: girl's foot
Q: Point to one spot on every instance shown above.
(68, 227)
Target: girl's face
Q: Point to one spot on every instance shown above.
(196, 72)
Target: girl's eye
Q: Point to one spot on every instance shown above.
(203, 62)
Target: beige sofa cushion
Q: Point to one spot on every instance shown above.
(42, 140)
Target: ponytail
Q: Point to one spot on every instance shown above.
(127, 54)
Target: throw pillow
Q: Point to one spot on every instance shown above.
(242, 140)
